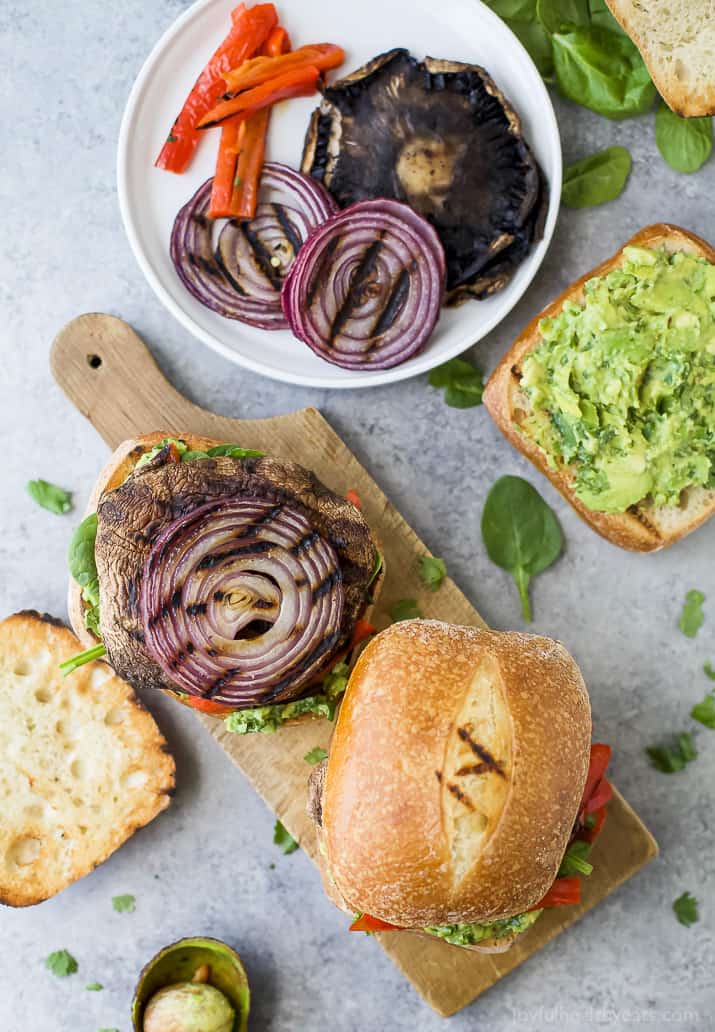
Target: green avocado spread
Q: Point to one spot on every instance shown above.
(472, 934)
(622, 386)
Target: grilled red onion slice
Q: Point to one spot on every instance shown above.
(241, 601)
(242, 278)
(367, 287)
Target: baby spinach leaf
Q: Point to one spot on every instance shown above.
(602, 71)
(685, 909)
(462, 381)
(520, 532)
(49, 496)
(405, 609)
(83, 569)
(685, 143)
(520, 16)
(556, 15)
(602, 17)
(691, 617)
(596, 179)
(432, 571)
(284, 839)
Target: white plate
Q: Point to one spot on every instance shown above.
(149, 198)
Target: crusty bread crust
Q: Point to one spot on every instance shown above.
(642, 528)
(387, 807)
(82, 763)
(676, 42)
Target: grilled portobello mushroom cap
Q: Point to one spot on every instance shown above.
(441, 137)
(134, 515)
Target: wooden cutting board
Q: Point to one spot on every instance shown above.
(108, 373)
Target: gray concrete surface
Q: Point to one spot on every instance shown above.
(208, 865)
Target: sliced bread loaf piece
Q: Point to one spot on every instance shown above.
(677, 42)
(642, 528)
(82, 763)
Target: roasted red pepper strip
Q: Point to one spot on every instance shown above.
(242, 148)
(249, 31)
(301, 82)
(354, 497)
(564, 892)
(591, 834)
(365, 923)
(262, 69)
(602, 794)
(225, 174)
(216, 709)
(600, 758)
(363, 630)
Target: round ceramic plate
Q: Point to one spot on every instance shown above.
(462, 30)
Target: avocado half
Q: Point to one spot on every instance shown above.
(441, 137)
(180, 961)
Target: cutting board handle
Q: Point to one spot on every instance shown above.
(107, 372)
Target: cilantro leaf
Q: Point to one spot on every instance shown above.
(49, 496)
(405, 609)
(284, 839)
(709, 670)
(432, 571)
(61, 963)
(704, 712)
(124, 904)
(462, 382)
(685, 908)
(316, 755)
(669, 759)
(94, 987)
(691, 618)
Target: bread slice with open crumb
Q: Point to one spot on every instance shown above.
(677, 43)
(642, 528)
(83, 765)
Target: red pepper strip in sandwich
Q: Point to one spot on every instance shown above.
(354, 497)
(324, 56)
(564, 892)
(301, 82)
(249, 31)
(600, 758)
(602, 794)
(363, 630)
(216, 709)
(365, 923)
(591, 833)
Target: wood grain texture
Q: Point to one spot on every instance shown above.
(109, 375)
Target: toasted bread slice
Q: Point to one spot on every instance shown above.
(82, 763)
(677, 43)
(642, 528)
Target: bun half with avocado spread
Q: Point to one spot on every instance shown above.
(236, 582)
(610, 391)
(461, 793)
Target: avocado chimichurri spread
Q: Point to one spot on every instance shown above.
(622, 387)
(471, 934)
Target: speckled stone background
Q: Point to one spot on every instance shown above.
(208, 865)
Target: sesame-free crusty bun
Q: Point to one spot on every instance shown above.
(643, 527)
(83, 765)
(455, 773)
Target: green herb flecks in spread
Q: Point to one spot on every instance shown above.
(472, 934)
(267, 719)
(623, 387)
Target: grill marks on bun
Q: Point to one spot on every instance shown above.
(477, 768)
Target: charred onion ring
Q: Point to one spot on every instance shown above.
(242, 278)
(367, 287)
(241, 600)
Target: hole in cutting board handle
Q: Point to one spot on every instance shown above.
(94, 361)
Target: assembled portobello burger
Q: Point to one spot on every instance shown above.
(462, 793)
(234, 581)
